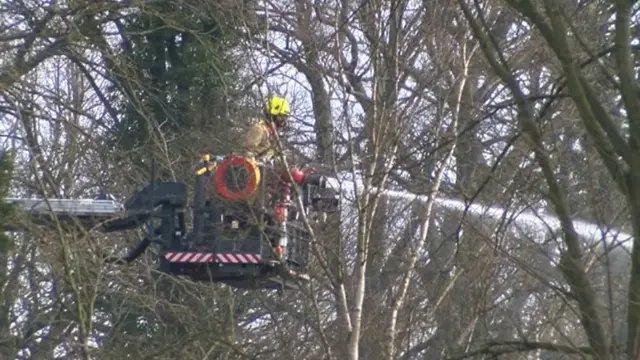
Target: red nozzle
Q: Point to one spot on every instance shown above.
(298, 176)
(279, 250)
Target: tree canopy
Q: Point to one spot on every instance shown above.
(503, 132)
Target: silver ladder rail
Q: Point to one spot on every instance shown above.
(78, 208)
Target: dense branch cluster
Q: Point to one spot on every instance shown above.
(505, 134)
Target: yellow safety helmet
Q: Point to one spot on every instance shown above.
(277, 106)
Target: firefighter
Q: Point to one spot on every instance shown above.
(260, 144)
(260, 141)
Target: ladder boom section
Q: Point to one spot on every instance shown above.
(70, 207)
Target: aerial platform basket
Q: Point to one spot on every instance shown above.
(224, 245)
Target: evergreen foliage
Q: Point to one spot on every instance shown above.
(178, 74)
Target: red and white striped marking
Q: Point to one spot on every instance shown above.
(192, 257)
(238, 258)
(189, 257)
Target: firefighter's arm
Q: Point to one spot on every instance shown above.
(252, 140)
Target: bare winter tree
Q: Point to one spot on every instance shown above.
(410, 89)
(446, 106)
(59, 300)
(586, 50)
(518, 260)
